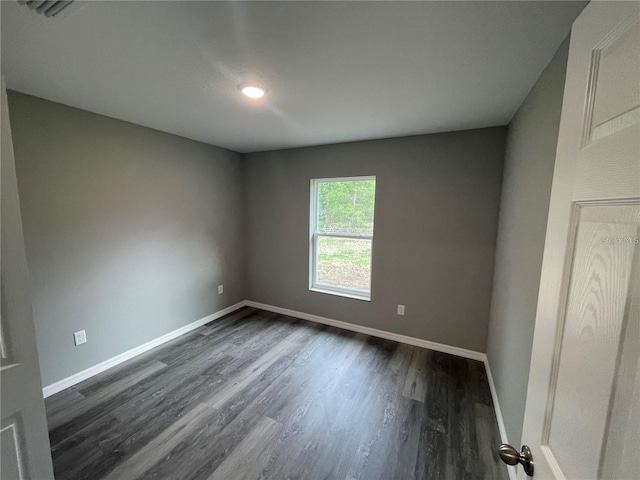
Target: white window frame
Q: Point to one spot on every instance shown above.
(356, 293)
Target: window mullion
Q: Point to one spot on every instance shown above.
(351, 236)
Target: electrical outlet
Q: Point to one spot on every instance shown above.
(220, 289)
(80, 337)
(400, 309)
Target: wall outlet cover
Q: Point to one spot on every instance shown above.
(80, 337)
(220, 289)
(400, 309)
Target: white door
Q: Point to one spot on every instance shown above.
(24, 440)
(582, 418)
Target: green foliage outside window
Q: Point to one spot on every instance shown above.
(346, 207)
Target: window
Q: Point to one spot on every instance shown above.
(341, 236)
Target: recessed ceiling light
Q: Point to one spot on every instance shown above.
(253, 90)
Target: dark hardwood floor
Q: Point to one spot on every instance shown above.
(260, 395)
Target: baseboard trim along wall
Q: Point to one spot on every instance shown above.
(418, 342)
(134, 352)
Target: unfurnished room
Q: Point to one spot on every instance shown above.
(320, 240)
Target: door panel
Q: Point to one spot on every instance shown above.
(12, 459)
(620, 455)
(611, 108)
(23, 428)
(582, 411)
(594, 330)
(615, 58)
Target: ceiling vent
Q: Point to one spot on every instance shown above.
(49, 8)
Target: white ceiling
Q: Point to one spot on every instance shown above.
(336, 71)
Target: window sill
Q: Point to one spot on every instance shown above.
(355, 296)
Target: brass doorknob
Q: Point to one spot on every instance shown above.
(511, 456)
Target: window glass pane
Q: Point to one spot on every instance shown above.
(346, 207)
(344, 262)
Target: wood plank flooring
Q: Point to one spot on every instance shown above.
(261, 395)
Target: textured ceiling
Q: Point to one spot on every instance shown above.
(336, 71)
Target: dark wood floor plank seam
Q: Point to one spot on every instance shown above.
(240, 417)
(251, 454)
(137, 464)
(104, 394)
(244, 378)
(149, 387)
(120, 440)
(228, 320)
(415, 384)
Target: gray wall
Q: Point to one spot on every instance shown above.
(528, 172)
(128, 231)
(437, 202)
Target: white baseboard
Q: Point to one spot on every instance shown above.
(418, 342)
(496, 406)
(134, 352)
